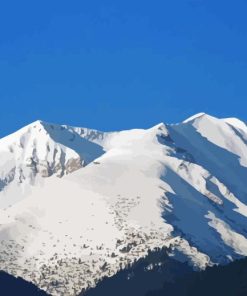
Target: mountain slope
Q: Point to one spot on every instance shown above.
(145, 275)
(180, 187)
(42, 150)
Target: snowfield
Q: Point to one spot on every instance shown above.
(78, 204)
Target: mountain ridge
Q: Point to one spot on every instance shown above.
(176, 186)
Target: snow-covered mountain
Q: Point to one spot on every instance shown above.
(42, 150)
(77, 204)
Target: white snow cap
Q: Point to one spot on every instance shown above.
(193, 117)
(236, 123)
(84, 203)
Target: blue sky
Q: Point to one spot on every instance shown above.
(113, 64)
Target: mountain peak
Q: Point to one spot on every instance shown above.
(43, 125)
(196, 116)
(160, 126)
(43, 149)
(181, 187)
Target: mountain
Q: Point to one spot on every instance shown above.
(42, 150)
(78, 205)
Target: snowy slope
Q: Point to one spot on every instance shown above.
(94, 202)
(42, 150)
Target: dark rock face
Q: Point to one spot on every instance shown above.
(11, 286)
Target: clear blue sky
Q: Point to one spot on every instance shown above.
(119, 64)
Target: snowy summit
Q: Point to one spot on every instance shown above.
(77, 204)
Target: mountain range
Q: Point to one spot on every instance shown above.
(79, 205)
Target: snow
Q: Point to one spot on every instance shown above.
(235, 122)
(232, 239)
(43, 149)
(95, 202)
(193, 117)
